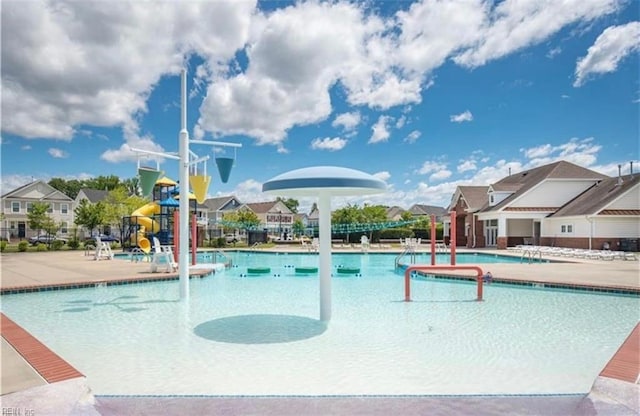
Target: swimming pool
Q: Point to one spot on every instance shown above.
(258, 335)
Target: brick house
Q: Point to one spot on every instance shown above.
(530, 207)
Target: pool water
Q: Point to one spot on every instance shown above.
(259, 335)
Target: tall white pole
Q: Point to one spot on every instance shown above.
(324, 230)
(183, 226)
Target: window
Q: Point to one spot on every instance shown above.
(566, 228)
(64, 208)
(63, 227)
(15, 207)
(50, 209)
(12, 225)
(491, 199)
(29, 207)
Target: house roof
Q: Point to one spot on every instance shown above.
(18, 189)
(261, 207)
(596, 199)
(94, 195)
(419, 209)
(51, 193)
(215, 204)
(393, 211)
(475, 196)
(526, 180)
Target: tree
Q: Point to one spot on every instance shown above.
(89, 215)
(118, 204)
(106, 183)
(298, 227)
(406, 216)
(50, 226)
(132, 185)
(290, 203)
(247, 218)
(70, 188)
(350, 214)
(38, 216)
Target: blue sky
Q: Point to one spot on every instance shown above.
(427, 95)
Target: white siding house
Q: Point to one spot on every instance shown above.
(17, 203)
(559, 204)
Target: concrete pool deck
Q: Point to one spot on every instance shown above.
(20, 381)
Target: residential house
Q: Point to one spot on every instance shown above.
(313, 222)
(274, 216)
(215, 210)
(420, 210)
(530, 207)
(607, 215)
(93, 196)
(468, 200)
(17, 203)
(395, 213)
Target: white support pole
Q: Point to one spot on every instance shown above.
(324, 230)
(183, 226)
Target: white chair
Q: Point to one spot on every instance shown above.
(103, 250)
(364, 244)
(162, 257)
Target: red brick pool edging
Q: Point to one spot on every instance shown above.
(625, 363)
(47, 363)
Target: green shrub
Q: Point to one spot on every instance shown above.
(57, 244)
(3, 245)
(74, 244)
(23, 245)
(41, 247)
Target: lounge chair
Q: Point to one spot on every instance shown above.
(162, 257)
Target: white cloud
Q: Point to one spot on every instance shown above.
(296, 54)
(383, 176)
(328, 143)
(381, 130)
(440, 175)
(611, 47)
(582, 152)
(401, 122)
(57, 153)
(103, 59)
(413, 136)
(538, 151)
(467, 165)
(25, 147)
(554, 52)
(430, 166)
(348, 121)
(514, 24)
(459, 118)
(250, 191)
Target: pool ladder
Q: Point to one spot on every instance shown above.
(228, 262)
(408, 250)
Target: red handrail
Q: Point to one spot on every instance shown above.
(425, 267)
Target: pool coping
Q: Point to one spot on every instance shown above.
(12, 290)
(51, 367)
(538, 284)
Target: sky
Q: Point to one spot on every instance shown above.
(426, 95)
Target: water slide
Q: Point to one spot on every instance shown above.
(147, 224)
